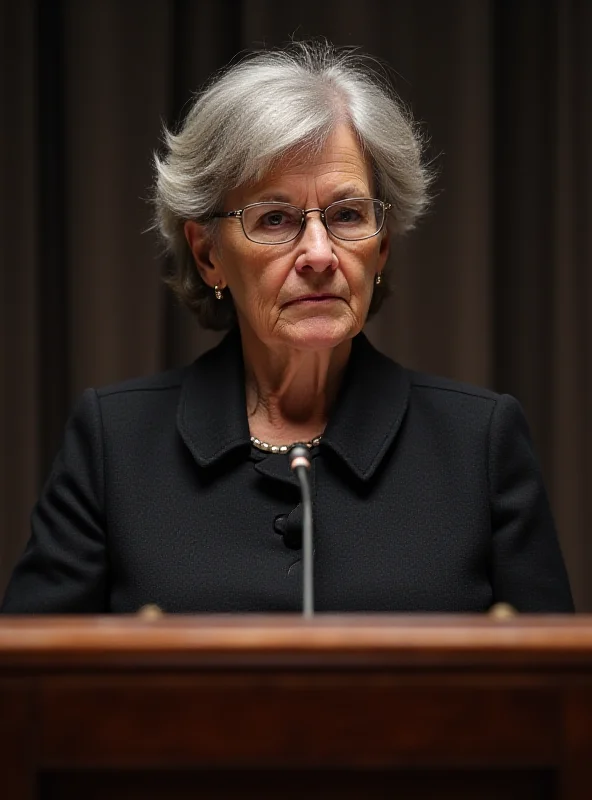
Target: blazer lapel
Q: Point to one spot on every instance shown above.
(370, 409)
(211, 415)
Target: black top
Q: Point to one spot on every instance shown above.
(427, 497)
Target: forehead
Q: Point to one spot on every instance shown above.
(341, 162)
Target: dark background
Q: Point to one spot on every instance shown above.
(495, 287)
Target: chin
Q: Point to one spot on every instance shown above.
(319, 333)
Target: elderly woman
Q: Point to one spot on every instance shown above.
(279, 196)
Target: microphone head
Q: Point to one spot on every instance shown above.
(299, 456)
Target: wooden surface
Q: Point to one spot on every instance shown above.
(353, 640)
(351, 706)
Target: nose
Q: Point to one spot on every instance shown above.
(316, 250)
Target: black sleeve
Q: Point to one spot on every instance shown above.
(63, 569)
(527, 566)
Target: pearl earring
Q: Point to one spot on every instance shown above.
(378, 279)
(218, 292)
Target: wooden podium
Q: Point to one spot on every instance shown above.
(274, 707)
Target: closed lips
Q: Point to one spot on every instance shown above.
(313, 298)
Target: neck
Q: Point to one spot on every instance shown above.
(290, 392)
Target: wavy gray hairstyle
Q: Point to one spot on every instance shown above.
(257, 111)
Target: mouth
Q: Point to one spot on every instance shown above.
(313, 298)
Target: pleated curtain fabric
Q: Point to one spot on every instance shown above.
(494, 288)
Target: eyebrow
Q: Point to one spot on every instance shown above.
(349, 190)
(273, 197)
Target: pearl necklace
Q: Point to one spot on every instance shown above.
(276, 448)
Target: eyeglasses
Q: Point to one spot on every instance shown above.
(352, 220)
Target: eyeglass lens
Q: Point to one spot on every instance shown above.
(276, 223)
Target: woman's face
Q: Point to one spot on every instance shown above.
(313, 292)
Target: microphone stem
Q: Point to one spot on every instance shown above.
(307, 544)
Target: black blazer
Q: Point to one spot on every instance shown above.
(426, 492)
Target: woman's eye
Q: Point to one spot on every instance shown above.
(274, 219)
(345, 215)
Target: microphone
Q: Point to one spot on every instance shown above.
(299, 457)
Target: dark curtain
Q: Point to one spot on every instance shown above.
(495, 287)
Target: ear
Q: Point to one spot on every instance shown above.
(384, 249)
(203, 249)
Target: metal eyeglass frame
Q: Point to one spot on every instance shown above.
(304, 211)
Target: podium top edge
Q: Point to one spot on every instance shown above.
(329, 640)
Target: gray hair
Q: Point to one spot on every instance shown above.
(255, 112)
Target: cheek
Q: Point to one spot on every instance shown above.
(255, 280)
(360, 269)
(266, 283)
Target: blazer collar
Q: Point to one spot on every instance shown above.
(369, 410)
(212, 420)
(211, 415)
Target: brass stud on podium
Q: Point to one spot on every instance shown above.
(502, 611)
(150, 611)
